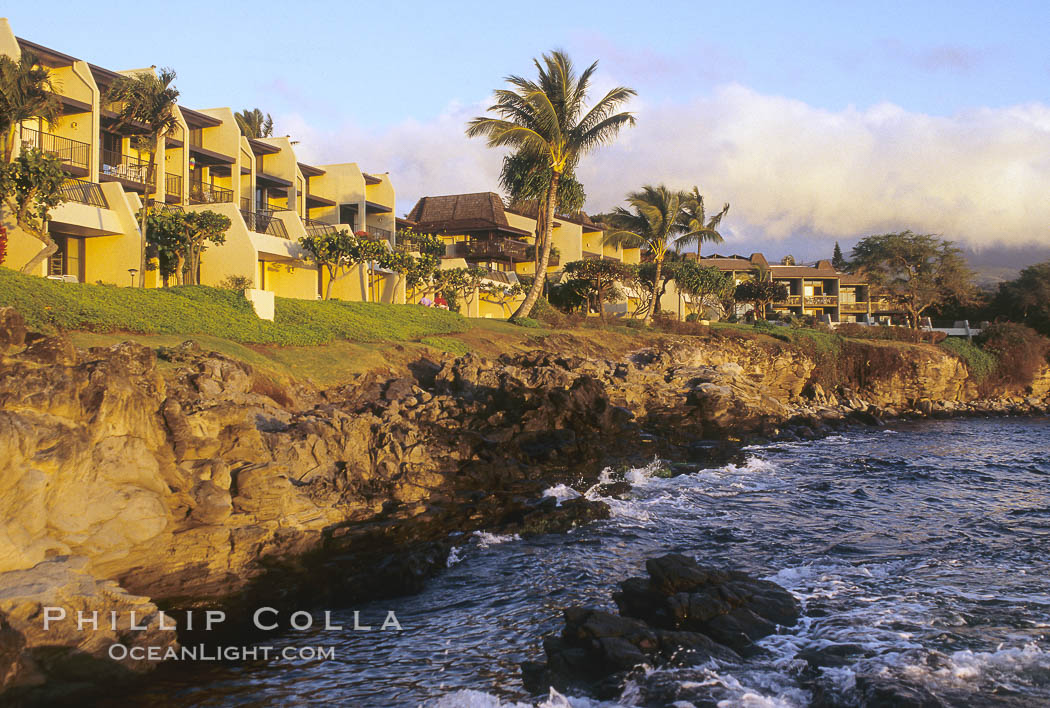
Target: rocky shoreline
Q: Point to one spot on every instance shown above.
(182, 479)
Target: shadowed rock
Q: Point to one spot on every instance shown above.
(682, 614)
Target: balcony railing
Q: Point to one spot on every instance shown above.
(125, 167)
(264, 222)
(173, 186)
(790, 301)
(80, 190)
(210, 194)
(318, 228)
(70, 152)
(380, 234)
(822, 300)
(497, 249)
(854, 306)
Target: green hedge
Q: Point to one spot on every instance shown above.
(50, 306)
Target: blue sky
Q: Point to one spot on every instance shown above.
(389, 85)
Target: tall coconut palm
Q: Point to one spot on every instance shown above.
(254, 124)
(656, 220)
(525, 179)
(25, 94)
(699, 228)
(146, 98)
(548, 120)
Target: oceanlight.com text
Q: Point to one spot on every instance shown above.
(201, 652)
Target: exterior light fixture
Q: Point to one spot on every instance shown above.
(132, 272)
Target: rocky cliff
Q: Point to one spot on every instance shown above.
(179, 479)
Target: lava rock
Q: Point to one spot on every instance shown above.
(683, 614)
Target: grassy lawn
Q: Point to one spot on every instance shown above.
(50, 306)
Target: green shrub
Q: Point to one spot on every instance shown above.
(978, 362)
(692, 317)
(546, 314)
(51, 306)
(526, 322)
(1020, 353)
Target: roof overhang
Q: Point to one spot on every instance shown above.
(310, 171)
(315, 201)
(374, 208)
(49, 57)
(72, 105)
(210, 157)
(261, 148)
(196, 119)
(271, 180)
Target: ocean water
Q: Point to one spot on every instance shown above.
(921, 555)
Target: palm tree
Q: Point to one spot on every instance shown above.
(25, 93)
(547, 120)
(149, 99)
(525, 179)
(254, 124)
(698, 227)
(657, 218)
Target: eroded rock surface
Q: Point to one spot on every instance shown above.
(683, 614)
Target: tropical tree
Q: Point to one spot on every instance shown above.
(253, 123)
(698, 227)
(418, 270)
(331, 251)
(761, 292)
(703, 282)
(371, 253)
(655, 221)
(649, 287)
(525, 178)
(599, 278)
(179, 238)
(547, 119)
(914, 271)
(1027, 298)
(30, 187)
(146, 98)
(26, 93)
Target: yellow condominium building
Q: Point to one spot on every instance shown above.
(270, 196)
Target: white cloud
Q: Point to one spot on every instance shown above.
(789, 169)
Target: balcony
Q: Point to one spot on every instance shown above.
(72, 153)
(380, 234)
(131, 171)
(318, 228)
(210, 194)
(790, 301)
(84, 192)
(173, 187)
(822, 300)
(263, 222)
(854, 307)
(493, 249)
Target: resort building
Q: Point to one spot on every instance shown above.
(271, 198)
(815, 290)
(480, 230)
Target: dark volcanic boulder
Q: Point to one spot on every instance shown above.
(682, 614)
